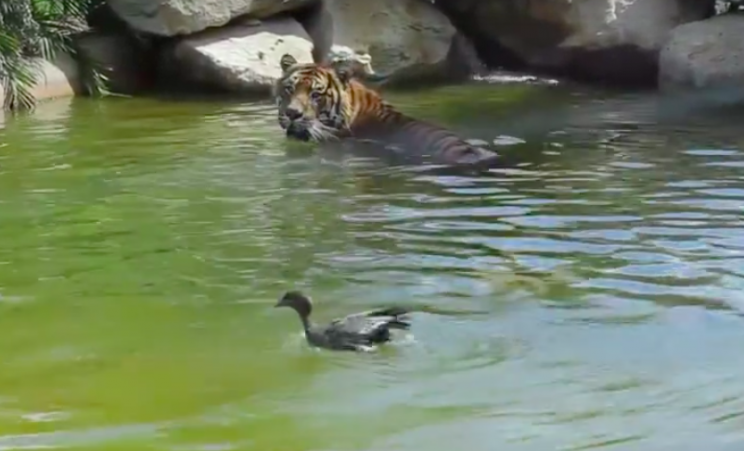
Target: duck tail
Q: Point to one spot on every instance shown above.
(390, 311)
(398, 317)
(399, 323)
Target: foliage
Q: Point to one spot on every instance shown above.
(32, 29)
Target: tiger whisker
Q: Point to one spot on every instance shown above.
(321, 132)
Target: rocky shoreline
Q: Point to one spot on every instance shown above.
(233, 46)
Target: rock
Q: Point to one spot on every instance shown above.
(318, 24)
(237, 58)
(120, 59)
(704, 54)
(180, 17)
(614, 41)
(361, 60)
(406, 39)
(724, 6)
(55, 79)
(101, 17)
(58, 78)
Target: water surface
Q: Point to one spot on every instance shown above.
(590, 297)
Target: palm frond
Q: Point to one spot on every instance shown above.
(16, 76)
(30, 29)
(18, 79)
(92, 77)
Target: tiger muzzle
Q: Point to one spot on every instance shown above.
(298, 131)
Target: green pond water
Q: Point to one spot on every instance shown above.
(589, 297)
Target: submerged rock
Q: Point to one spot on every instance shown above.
(704, 54)
(237, 57)
(406, 39)
(178, 17)
(606, 40)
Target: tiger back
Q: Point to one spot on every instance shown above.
(323, 102)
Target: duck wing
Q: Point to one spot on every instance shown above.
(372, 326)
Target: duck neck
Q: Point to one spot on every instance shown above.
(305, 322)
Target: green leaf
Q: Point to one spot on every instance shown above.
(42, 29)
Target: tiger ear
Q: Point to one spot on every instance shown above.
(287, 61)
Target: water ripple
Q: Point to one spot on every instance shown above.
(588, 298)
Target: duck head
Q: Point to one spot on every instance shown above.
(297, 301)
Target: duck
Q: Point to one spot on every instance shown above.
(361, 331)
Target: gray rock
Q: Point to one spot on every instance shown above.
(406, 39)
(360, 64)
(607, 40)
(237, 57)
(724, 6)
(704, 54)
(178, 17)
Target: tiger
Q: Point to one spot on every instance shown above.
(324, 102)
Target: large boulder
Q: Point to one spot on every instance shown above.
(704, 54)
(238, 58)
(406, 39)
(178, 17)
(606, 40)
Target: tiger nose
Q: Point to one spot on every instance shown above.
(293, 113)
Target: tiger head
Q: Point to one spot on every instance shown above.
(313, 99)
